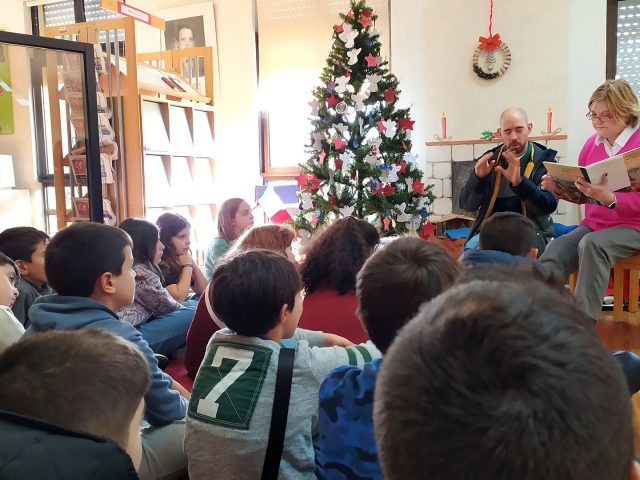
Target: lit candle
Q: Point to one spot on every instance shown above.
(549, 115)
(443, 122)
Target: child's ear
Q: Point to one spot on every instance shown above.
(22, 267)
(105, 284)
(282, 316)
(533, 253)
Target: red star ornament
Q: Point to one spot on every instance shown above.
(332, 101)
(388, 190)
(371, 60)
(338, 164)
(332, 202)
(365, 19)
(390, 96)
(380, 125)
(350, 14)
(339, 28)
(302, 179)
(403, 167)
(428, 229)
(322, 155)
(374, 191)
(417, 186)
(339, 143)
(406, 124)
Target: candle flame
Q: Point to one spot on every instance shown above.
(549, 108)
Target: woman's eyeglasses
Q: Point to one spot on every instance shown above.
(604, 116)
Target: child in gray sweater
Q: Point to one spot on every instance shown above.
(257, 294)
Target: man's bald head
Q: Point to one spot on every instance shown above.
(517, 112)
(515, 129)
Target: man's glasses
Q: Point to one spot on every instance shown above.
(604, 116)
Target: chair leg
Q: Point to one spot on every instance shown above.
(633, 290)
(618, 294)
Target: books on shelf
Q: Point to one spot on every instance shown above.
(623, 174)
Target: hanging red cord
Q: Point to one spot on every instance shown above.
(490, 43)
(490, 18)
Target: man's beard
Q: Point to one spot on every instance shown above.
(517, 148)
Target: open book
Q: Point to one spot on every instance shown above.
(623, 173)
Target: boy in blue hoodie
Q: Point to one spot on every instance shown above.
(90, 265)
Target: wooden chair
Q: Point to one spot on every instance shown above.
(633, 265)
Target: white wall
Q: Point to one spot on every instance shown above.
(558, 51)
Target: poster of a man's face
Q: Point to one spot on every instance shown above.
(184, 33)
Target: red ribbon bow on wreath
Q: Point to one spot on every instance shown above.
(489, 44)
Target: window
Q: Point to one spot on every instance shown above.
(623, 41)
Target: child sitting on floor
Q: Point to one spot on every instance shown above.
(71, 407)
(162, 321)
(26, 246)
(391, 287)
(10, 328)
(257, 294)
(90, 265)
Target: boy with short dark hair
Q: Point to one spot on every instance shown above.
(479, 386)
(71, 403)
(506, 238)
(390, 287)
(10, 328)
(90, 265)
(26, 246)
(257, 294)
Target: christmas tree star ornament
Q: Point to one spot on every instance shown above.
(332, 101)
(371, 60)
(339, 142)
(406, 123)
(418, 186)
(380, 124)
(365, 18)
(389, 97)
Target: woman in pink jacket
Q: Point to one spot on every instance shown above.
(611, 227)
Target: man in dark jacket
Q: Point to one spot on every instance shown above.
(507, 179)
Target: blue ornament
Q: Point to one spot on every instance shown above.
(385, 167)
(355, 143)
(387, 213)
(300, 206)
(318, 213)
(424, 213)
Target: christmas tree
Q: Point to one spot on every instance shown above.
(360, 151)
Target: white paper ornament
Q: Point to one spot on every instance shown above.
(348, 35)
(317, 141)
(315, 105)
(353, 55)
(390, 128)
(342, 85)
(341, 127)
(331, 175)
(307, 202)
(346, 211)
(373, 82)
(374, 142)
(409, 182)
(409, 157)
(347, 160)
(402, 216)
(359, 99)
(390, 175)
